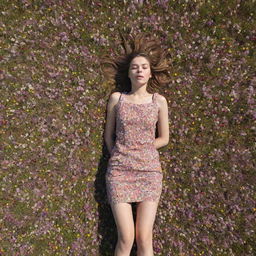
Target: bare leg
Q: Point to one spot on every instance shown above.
(125, 227)
(145, 217)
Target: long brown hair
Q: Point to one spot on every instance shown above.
(143, 44)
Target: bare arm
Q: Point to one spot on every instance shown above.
(110, 121)
(163, 123)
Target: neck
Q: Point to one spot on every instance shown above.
(140, 92)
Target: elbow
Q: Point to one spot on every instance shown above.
(166, 142)
(108, 138)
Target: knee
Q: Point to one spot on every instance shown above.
(126, 240)
(144, 240)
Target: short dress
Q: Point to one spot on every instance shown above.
(134, 172)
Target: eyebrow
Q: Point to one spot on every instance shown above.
(137, 64)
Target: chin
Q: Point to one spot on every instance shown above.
(140, 83)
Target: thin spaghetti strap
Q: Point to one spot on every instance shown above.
(154, 97)
(120, 97)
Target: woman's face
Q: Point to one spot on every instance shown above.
(139, 70)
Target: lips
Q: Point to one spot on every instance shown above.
(140, 76)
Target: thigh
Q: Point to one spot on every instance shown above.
(124, 220)
(145, 217)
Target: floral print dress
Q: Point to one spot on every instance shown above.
(134, 172)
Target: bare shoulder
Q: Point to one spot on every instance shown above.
(161, 100)
(114, 97)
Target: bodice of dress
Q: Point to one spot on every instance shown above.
(135, 135)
